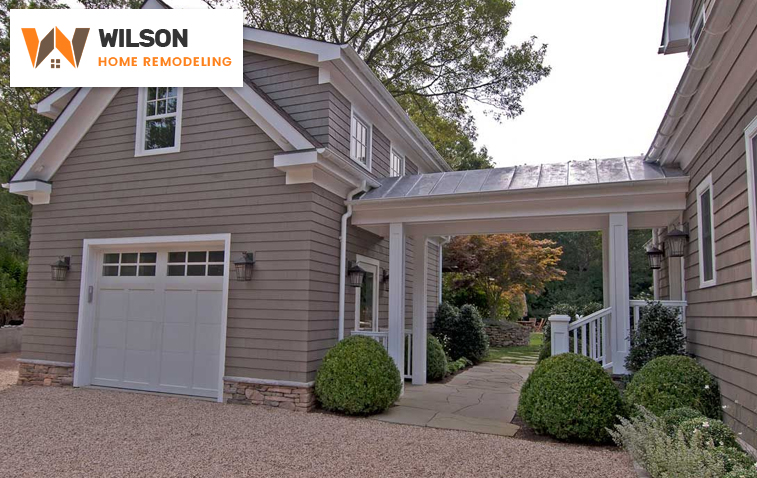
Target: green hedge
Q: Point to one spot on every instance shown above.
(660, 333)
(436, 361)
(672, 419)
(461, 332)
(570, 397)
(708, 430)
(357, 377)
(672, 382)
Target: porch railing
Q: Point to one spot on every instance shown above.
(590, 335)
(382, 337)
(637, 305)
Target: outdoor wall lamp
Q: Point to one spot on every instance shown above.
(655, 256)
(355, 275)
(243, 266)
(675, 243)
(385, 279)
(60, 268)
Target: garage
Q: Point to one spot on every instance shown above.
(156, 317)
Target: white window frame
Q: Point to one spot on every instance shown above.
(354, 115)
(704, 186)
(700, 21)
(392, 152)
(362, 260)
(750, 132)
(139, 148)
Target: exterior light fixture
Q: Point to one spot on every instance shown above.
(655, 256)
(243, 266)
(675, 243)
(385, 279)
(355, 275)
(60, 268)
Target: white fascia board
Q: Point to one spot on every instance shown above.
(281, 131)
(65, 134)
(38, 192)
(321, 50)
(323, 168)
(676, 29)
(52, 105)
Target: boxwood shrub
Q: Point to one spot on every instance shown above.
(436, 361)
(671, 382)
(659, 333)
(708, 430)
(672, 419)
(461, 332)
(357, 377)
(570, 397)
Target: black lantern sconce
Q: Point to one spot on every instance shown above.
(244, 265)
(675, 243)
(60, 268)
(355, 275)
(655, 256)
(385, 280)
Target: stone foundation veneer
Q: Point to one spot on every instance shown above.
(287, 395)
(45, 373)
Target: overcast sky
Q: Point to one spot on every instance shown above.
(608, 88)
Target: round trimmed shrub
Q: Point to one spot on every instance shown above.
(672, 419)
(672, 382)
(734, 459)
(357, 377)
(570, 397)
(708, 429)
(436, 361)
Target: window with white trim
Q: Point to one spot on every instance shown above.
(750, 137)
(195, 263)
(367, 295)
(696, 32)
(360, 142)
(159, 120)
(706, 234)
(396, 164)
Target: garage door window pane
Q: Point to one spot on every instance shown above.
(215, 256)
(128, 271)
(147, 271)
(197, 256)
(148, 257)
(129, 258)
(175, 271)
(177, 256)
(110, 271)
(111, 258)
(215, 269)
(196, 270)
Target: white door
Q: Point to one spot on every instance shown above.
(158, 319)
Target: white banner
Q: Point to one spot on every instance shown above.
(126, 47)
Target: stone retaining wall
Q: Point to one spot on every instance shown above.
(47, 375)
(507, 334)
(295, 398)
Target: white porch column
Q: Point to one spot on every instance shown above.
(397, 295)
(420, 304)
(619, 290)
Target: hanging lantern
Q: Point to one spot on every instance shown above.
(655, 256)
(244, 265)
(385, 279)
(60, 268)
(355, 275)
(675, 243)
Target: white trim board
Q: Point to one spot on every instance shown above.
(85, 324)
(750, 132)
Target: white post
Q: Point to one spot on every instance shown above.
(396, 334)
(619, 290)
(558, 325)
(420, 305)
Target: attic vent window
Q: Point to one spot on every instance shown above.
(159, 120)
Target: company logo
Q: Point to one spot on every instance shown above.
(55, 40)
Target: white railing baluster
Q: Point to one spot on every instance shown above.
(583, 340)
(382, 337)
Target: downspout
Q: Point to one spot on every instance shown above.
(343, 255)
(441, 248)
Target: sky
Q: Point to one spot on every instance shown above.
(608, 89)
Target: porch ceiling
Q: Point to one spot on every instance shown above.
(576, 195)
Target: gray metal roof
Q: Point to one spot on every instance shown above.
(593, 171)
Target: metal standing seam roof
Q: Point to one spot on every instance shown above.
(572, 173)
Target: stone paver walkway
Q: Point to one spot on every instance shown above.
(482, 399)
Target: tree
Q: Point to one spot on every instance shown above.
(504, 265)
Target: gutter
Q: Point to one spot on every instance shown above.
(343, 255)
(720, 21)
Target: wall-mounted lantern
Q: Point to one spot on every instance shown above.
(243, 266)
(355, 275)
(60, 268)
(675, 243)
(655, 256)
(385, 279)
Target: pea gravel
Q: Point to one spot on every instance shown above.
(88, 432)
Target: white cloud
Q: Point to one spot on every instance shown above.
(608, 89)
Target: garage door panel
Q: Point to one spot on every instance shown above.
(180, 306)
(140, 336)
(209, 306)
(109, 363)
(144, 305)
(111, 334)
(206, 372)
(178, 338)
(176, 369)
(113, 304)
(207, 338)
(140, 367)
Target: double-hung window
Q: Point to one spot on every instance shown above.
(706, 229)
(750, 136)
(360, 142)
(397, 164)
(159, 120)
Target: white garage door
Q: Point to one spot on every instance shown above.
(158, 320)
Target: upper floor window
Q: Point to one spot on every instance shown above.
(159, 120)
(750, 136)
(706, 229)
(397, 164)
(360, 142)
(696, 32)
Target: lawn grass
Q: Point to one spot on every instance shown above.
(526, 355)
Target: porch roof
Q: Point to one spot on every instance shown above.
(572, 173)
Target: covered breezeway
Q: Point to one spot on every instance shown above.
(609, 195)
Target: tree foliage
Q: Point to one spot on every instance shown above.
(504, 265)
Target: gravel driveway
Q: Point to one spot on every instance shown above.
(87, 432)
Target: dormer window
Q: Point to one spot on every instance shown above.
(360, 142)
(159, 120)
